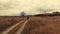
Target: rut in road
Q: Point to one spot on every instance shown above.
(9, 29)
(22, 27)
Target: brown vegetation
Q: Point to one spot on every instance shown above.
(6, 22)
(43, 25)
(36, 25)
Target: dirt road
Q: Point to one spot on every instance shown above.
(17, 28)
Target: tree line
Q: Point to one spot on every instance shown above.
(49, 14)
(46, 14)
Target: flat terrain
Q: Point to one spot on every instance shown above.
(43, 25)
(6, 22)
(36, 25)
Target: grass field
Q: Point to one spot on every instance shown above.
(6, 22)
(36, 25)
(43, 25)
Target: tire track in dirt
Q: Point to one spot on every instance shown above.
(12, 28)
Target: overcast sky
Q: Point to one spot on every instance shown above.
(15, 7)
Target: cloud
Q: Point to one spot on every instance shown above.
(45, 9)
(9, 4)
(15, 7)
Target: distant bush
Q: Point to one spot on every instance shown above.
(22, 14)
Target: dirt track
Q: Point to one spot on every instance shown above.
(41, 25)
(17, 28)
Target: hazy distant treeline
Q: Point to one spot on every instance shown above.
(49, 14)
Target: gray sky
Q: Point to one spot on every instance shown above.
(15, 7)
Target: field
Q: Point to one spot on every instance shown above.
(36, 25)
(43, 25)
(6, 22)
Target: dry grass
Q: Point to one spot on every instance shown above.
(6, 22)
(36, 25)
(43, 25)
